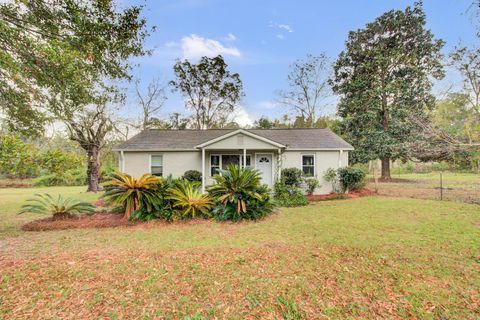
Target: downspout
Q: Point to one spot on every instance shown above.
(122, 162)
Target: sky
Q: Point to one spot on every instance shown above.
(260, 39)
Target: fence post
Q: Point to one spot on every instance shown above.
(441, 186)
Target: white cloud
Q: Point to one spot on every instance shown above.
(242, 117)
(230, 37)
(194, 47)
(282, 28)
(286, 27)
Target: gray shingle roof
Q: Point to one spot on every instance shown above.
(153, 139)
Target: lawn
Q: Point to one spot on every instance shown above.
(372, 257)
(462, 187)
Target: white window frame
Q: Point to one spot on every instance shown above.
(314, 163)
(150, 163)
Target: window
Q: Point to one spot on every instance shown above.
(228, 159)
(156, 165)
(308, 165)
(214, 164)
(221, 161)
(248, 162)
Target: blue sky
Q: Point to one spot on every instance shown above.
(260, 39)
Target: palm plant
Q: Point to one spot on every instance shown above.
(236, 186)
(132, 193)
(186, 196)
(59, 207)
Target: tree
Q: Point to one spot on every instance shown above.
(383, 79)
(467, 62)
(308, 82)
(150, 101)
(209, 89)
(89, 129)
(263, 123)
(62, 50)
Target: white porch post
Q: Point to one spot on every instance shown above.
(244, 158)
(203, 170)
(340, 158)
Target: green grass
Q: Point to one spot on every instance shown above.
(374, 257)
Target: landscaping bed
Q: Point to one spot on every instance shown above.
(333, 196)
(98, 220)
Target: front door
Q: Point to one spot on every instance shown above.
(264, 166)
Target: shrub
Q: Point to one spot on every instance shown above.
(133, 194)
(58, 207)
(76, 177)
(292, 177)
(56, 161)
(17, 159)
(240, 195)
(192, 176)
(190, 202)
(288, 196)
(351, 178)
(311, 184)
(331, 175)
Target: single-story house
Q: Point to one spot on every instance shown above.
(172, 152)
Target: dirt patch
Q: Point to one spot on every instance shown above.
(99, 220)
(333, 196)
(15, 183)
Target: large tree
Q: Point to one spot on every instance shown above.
(383, 77)
(210, 90)
(59, 58)
(61, 49)
(151, 101)
(308, 88)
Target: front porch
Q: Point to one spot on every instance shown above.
(243, 149)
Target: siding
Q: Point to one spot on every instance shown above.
(323, 161)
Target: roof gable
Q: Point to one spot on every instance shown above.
(240, 132)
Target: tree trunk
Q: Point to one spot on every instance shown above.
(386, 169)
(93, 170)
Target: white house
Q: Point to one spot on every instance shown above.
(172, 152)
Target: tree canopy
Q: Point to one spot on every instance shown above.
(383, 78)
(210, 90)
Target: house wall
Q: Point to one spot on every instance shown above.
(174, 163)
(323, 161)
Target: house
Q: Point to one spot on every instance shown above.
(172, 152)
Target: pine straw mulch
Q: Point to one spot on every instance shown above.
(98, 220)
(272, 281)
(333, 196)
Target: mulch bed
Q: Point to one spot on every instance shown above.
(333, 196)
(98, 220)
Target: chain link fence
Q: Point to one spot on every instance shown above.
(442, 186)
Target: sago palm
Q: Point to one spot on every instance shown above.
(132, 193)
(58, 207)
(186, 197)
(235, 185)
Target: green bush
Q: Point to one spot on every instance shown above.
(288, 196)
(331, 175)
(58, 207)
(18, 159)
(351, 178)
(56, 161)
(76, 177)
(311, 184)
(192, 176)
(292, 177)
(187, 199)
(239, 195)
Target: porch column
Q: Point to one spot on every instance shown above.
(340, 154)
(244, 163)
(203, 170)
